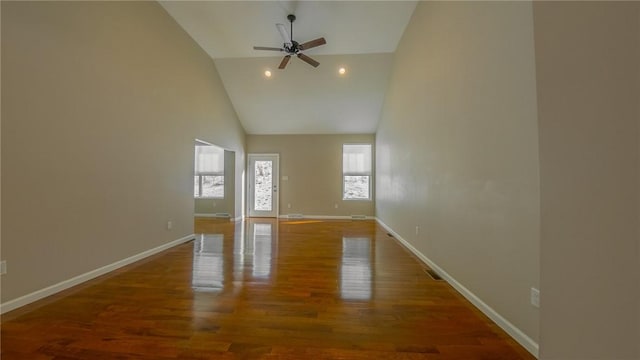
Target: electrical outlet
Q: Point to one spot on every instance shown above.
(288, 206)
(335, 205)
(169, 225)
(535, 297)
(3, 267)
(417, 230)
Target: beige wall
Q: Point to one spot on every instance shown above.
(588, 58)
(457, 150)
(101, 104)
(313, 164)
(228, 202)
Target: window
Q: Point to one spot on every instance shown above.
(356, 172)
(209, 172)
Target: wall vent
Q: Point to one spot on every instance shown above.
(295, 216)
(432, 274)
(358, 217)
(222, 215)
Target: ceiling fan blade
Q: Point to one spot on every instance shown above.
(284, 62)
(313, 43)
(308, 60)
(283, 32)
(267, 48)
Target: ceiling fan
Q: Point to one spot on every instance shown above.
(292, 47)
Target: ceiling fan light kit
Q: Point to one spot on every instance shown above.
(292, 47)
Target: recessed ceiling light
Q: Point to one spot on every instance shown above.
(267, 73)
(342, 71)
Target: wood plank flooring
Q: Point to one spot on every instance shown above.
(262, 289)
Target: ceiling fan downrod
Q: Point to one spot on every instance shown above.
(291, 19)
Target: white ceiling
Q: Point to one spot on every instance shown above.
(361, 36)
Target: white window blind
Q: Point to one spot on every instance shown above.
(209, 160)
(209, 172)
(356, 159)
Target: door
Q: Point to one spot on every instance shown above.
(263, 185)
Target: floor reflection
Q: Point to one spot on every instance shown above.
(247, 254)
(261, 241)
(355, 271)
(239, 250)
(253, 253)
(208, 263)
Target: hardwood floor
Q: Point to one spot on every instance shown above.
(262, 289)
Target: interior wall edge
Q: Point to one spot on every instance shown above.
(77, 280)
(518, 335)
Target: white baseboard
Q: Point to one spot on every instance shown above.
(325, 217)
(208, 215)
(63, 285)
(503, 323)
(204, 215)
(212, 215)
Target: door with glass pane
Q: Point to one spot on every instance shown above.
(262, 186)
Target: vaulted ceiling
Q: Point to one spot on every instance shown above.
(361, 37)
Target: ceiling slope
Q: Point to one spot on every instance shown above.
(361, 36)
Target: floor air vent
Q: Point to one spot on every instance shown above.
(434, 275)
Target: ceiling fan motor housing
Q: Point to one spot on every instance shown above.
(293, 49)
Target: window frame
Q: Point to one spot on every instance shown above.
(369, 175)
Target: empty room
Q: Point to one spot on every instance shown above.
(320, 180)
